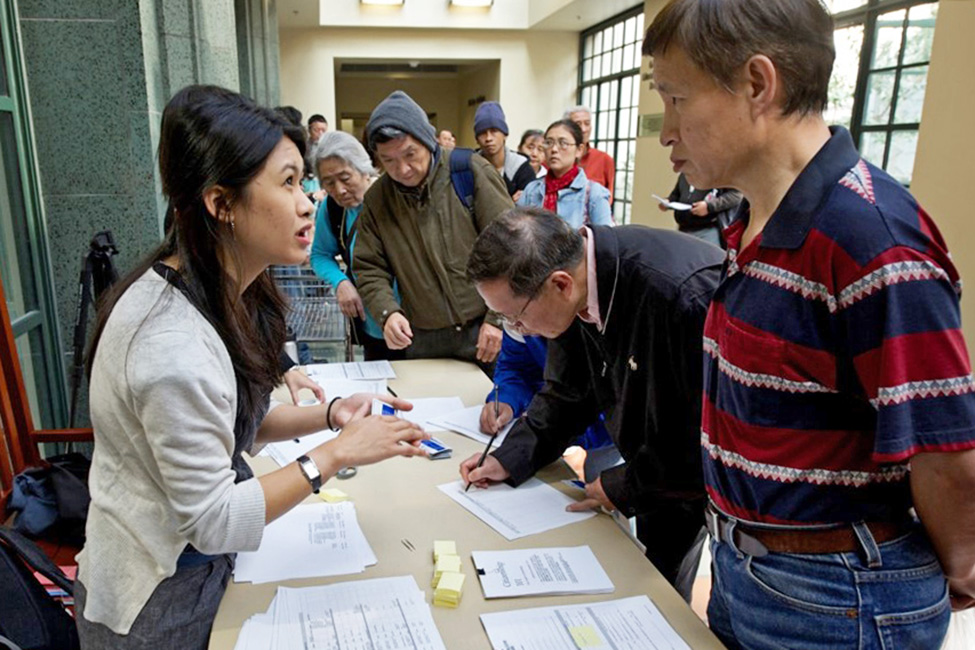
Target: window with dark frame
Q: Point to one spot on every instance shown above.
(609, 84)
(883, 51)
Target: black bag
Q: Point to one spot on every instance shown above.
(52, 502)
(29, 616)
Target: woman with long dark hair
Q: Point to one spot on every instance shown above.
(184, 356)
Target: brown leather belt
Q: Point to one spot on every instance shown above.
(758, 542)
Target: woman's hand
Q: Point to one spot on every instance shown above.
(349, 300)
(372, 439)
(355, 407)
(295, 380)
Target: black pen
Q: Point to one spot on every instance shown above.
(495, 435)
(392, 392)
(480, 461)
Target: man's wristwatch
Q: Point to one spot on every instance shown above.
(310, 470)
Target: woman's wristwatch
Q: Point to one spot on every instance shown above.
(310, 470)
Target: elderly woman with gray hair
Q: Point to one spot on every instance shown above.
(345, 173)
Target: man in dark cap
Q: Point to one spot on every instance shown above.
(491, 132)
(415, 234)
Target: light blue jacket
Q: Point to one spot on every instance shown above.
(324, 250)
(571, 202)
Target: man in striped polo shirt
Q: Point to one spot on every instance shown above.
(837, 386)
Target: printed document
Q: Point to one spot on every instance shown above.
(534, 571)
(288, 451)
(626, 624)
(533, 507)
(387, 613)
(467, 422)
(318, 539)
(354, 370)
(340, 387)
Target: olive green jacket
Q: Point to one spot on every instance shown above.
(422, 237)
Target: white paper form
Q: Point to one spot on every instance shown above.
(288, 451)
(426, 409)
(355, 370)
(672, 205)
(337, 387)
(256, 633)
(380, 614)
(318, 539)
(533, 507)
(534, 571)
(626, 624)
(467, 422)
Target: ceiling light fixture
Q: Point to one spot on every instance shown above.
(472, 3)
(382, 2)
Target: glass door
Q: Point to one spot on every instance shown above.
(23, 243)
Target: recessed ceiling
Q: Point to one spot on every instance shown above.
(576, 15)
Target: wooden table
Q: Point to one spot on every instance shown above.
(398, 500)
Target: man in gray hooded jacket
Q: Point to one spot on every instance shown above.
(415, 229)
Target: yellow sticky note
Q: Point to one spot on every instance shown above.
(444, 547)
(448, 563)
(445, 563)
(585, 636)
(332, 495)
(448, 589)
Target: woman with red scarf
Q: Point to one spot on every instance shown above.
(565, 190)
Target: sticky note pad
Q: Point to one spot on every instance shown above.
(445, 563)
(332, 495)
(447, 593)
(585, 636)
(444, 547)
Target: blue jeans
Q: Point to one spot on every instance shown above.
(831, 601)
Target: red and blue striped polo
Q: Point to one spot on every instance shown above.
(833, 352)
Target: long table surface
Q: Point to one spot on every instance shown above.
(398, 500)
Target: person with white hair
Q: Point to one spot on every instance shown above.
(345, 172)
(598, 165)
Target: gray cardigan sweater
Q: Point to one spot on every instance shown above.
(163, 403)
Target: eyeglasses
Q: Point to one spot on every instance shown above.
(515, 322)
(560, 143)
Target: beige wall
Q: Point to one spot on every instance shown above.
(652, 166)
(943, 168)
(481, 81)
(361, 94)
(537, 79)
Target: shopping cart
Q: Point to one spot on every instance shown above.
(314, 316)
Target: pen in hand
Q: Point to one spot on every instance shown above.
(497, 407)
(494, 435)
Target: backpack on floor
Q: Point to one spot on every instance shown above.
(29, 616)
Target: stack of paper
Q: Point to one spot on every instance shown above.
(447, 593)
(467, 422)
(535, 571)
(625, 624)
(445, 564)
(318, 539)
(533, 507)
(361, 615)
